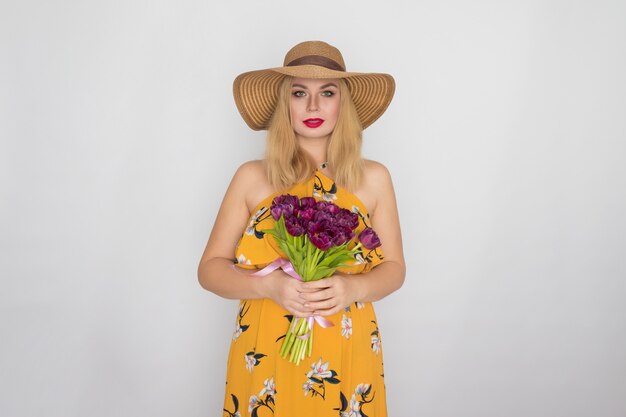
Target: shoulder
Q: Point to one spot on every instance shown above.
(250, 180)
(375, 173)
(248, 173)
(249, 169)
(376, 184)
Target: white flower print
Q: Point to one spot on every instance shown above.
(361, 389)
(250, 362)
(346, 327)
(319, 370)
(269, 388)
(252, 403)
(318, 377)
(354, 407)
(254, 220)
(375, 344)
(241, 259)
(264, 399)
(252, 359)
(307, 386)
(237, 332)
(360, 304)
(326, 196)
(359, 258)
(240, 328)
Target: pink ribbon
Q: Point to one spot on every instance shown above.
(287, 266)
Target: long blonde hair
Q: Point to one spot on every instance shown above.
(287, 164)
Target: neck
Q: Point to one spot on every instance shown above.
(315, 148)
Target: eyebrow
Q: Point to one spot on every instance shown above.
(321, 88)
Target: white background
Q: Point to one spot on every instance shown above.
(506, 140)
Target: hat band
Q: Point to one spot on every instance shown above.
(318, 60)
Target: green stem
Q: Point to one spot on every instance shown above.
(292, 357)
(286, 344)
(301, 351)
(308, 263)
(316, 257)
(289, 338)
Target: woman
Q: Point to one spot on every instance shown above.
(314, 111)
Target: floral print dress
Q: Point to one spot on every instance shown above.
(344, 376)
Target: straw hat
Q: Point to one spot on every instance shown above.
(256, 92)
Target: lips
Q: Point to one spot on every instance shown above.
(313, 123)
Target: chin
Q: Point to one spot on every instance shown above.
(320, 137)
(314, 135)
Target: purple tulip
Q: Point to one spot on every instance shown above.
(369, 238)
(276, 212)
(307, 202)
(307, 214)
(322, 241)
(289, 199)
(333, 209)
(322, 205)
(348, 219)
(318, 224)
(342, 235)
(284, 204)
(294, 226)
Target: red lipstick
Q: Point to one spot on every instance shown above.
(313, 123)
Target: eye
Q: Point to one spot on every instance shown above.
(328, 93)
(298, 93)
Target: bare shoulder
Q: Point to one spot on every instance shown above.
(376, 172)
(252, 181)
(376, 184)
(385, 219)
(248, 171)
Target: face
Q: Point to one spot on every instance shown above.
(314, 107)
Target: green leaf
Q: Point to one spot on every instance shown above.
(336, 258)
(272, 232)
(322, 273)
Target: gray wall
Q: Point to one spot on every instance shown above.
(506, 140)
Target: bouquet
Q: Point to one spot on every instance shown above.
(315, 236)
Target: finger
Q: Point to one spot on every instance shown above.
(305, 311)
(322, 283)
(303, 307)
(328, 312)
(309, 290)
(300, 312)
(313, 290)
(319, 295)
(322, 305)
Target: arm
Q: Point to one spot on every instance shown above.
(215, 271)
(331, 295)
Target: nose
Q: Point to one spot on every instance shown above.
(313, 104)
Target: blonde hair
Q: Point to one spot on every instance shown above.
(287, 164)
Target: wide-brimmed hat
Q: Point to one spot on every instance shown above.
(256, 92)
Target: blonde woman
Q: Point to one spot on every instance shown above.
(314, 111)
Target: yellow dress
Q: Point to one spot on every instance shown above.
(344, 376)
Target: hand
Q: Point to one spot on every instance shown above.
(287, 292)
(330, 295)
